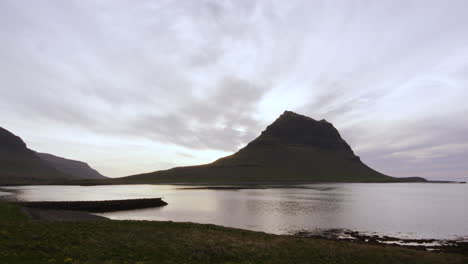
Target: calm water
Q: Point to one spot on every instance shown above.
(401, 210)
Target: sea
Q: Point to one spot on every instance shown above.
(401, 210)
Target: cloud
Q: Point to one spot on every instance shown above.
(205, 77)
(431, 147)
(222, 120)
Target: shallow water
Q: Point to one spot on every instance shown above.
(406, 210)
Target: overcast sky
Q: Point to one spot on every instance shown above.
(137, 86)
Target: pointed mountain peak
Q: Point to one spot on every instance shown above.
(290, 124)
(294, 129)
(292, 116)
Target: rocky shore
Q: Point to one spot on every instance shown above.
(447, 246)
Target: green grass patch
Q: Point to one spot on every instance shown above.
(10, 212)
(167, 242)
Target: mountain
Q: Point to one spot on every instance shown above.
(77, 169)
(294, 148)
(21, 165)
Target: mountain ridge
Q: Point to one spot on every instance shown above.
(21, 165)
(294, 148)
(76, 168)
(9, 140)
(289, 128)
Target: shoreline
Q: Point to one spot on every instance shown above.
(62, 211)
(61, 215)
(36, 241)
(343, 235)
(437, 245)
(272, 184)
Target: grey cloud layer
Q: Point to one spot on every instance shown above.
(211, 74)
(223, 120)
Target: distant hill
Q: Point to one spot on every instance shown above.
(77, 169)
(294, 148)
(20, 165)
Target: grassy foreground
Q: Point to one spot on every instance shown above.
(28, 241)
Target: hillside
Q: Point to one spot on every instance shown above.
(21, 165)
(294, 148)
(77, 169)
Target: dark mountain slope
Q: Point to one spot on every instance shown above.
(20, 165)
(295, 148)
(77, 169)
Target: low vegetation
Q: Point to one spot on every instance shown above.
(11, 213)
(32, 241)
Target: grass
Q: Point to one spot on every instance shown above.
(10, 212)
(29, 241)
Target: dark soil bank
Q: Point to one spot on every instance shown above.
(61, 215)
(98, 206)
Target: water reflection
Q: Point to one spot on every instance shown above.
(399, 210)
